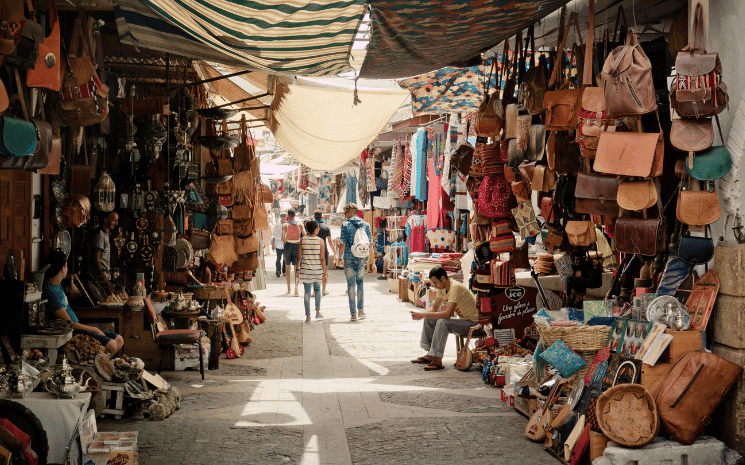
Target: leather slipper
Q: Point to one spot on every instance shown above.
(421, 360)
(432, 367)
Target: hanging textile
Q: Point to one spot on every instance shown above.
(370, 173)
(415, 229)
(450, 144)
(434, 198)
(417, 36)
(421, 165)
(414, 162)
(311, 38)
(324, 192)
(397, 168)
(363, 193)
(351, 192)
(407, 168)
(304, 174)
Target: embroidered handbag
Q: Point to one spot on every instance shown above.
(698, 89)
(84, 100)
(495, 197)
(526, 220)
(627, 80)
(581, 233)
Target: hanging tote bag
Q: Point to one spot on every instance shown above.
(562, 105)
(48, 70)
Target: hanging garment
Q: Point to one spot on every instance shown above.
(406, 175)
(351, 186)
(415, 153)
(434, 204)
(415, 229)
(395, 155)
(421, 162)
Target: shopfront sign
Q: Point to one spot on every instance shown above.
(513, 308)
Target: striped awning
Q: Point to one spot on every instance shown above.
(414, 37)
(295, 37)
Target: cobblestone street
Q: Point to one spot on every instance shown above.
(334, 392)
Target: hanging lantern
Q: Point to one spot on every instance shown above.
(104, 194)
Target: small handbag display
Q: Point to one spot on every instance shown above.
(698, 208)
(637, 195)
(502, 239)
(581, 233)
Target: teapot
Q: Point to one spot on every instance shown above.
(17, 383)
(180, 302)
(63, 384)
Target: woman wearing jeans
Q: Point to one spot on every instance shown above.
(311, 268)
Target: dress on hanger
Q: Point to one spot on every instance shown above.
(434, 205)
(421, 165)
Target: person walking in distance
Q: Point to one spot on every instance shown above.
(277, 245)
(311, 267)
(292, 231)
(324, 232)
(355, 246)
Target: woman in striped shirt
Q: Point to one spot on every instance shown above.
(311, 267)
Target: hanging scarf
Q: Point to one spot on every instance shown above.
(406, 173)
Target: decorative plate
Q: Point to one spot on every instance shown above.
(132, 246)
(185, 253)
(63, 242)
(668, 310)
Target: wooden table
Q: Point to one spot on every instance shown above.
(94, 314)
(182, 320)
(44, 341)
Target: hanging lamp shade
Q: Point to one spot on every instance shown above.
(104, 194)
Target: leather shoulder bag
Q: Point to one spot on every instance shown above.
(48, 70)
(691, 391)
(18, 137)
(698, 208)
(695, 250)
(637, 195)
(581, 233)
(711, 164)
(535, 82)
(562, 105)
(627, 80)
(596, 194)
(698, 89)
(641, 236)
(563, 153)
(630, 153)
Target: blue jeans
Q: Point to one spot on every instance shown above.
(317, 289)
(280, 268)
(355, 275)
(435, 334)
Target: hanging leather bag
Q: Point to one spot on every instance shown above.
(222, 250)
(596, 194)
(535, 83)
(691, 391)
(48, 70)
(698, 208)
(630, 153)
(637, 195)
(13, 20)
(562, 105)
(581, 233)
(695, 250)
(627, 80)
(544, 179)
(641, 236)
(710, 163)
(247, 244)
(563, 153)
(244, 152)
(698, 89)
(84, 100)
(18, 137)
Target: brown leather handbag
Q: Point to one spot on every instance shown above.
(563, 153)
(521, 191)
(225, 227)
(642, 236)
(544, 178)
(692, 135)
(199, 238)
(698, 208)
(563, 104)
(535, 81)
(627, 80)
(547, 209)
(581, 233)
(698, 89)
(244, 152)
(637, 195)
(461, 158)
(260, 216)
(630, 153)
(245, 245)
(222, 250)
(691, 391)
(596, 194)
(241, 212)
(48, 70)
(84, 100)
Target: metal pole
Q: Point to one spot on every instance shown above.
(242, 100)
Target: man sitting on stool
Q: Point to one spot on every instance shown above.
(457, 298)
(59, 308)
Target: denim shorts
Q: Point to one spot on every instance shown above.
(290, 253)
(108, 336)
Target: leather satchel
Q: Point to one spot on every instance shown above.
(547, 209)
(640, 236)
(562, 105)
(199, 238)
(637, 195)
(692, 135)
(630, 154)
(222, 250)
(698, 208)
(520, 190)
(84, 100)
(564, 155)
(627, 80)
(48, 70)
(487, 122)
(711, 164)
(246, 245)
(544, 179)
(596, 194)
(535, 82)
(695, 250)
(698, 89)
(536, 143)
(581, 233)
(691, 391)
(461, 158)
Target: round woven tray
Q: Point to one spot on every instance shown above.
(627, 415)
(577, 338)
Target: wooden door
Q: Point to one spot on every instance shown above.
(15, 218)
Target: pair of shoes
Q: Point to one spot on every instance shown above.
(278, 274)
(354, 317)
(318, 316)
(382, 278)
(433, 366)
(361, 315)
(307, 318)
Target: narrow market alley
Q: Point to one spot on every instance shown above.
(334, 392)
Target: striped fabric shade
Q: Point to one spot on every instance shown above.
(297, 37)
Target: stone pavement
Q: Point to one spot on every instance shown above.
(334, 392)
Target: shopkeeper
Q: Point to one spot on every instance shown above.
(58, 306)
(100, 261)
(438, 324)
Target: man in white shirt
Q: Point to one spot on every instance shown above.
(277, 244)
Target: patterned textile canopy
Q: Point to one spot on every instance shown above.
(413, 37)
(297, 37)
(449, 90)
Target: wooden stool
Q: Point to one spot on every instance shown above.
(113, 393)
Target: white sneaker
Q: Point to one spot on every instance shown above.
(307, 318)
(354, 317)
(361, 315)
(318, 316)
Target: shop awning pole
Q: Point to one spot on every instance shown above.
(242, 100)
(205, 81)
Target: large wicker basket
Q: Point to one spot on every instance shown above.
(577, 338)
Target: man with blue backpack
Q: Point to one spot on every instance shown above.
(355, 248)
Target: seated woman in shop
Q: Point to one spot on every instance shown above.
(59, 308)
(452, 298)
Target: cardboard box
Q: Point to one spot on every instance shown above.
(526, 406)
(106, 448)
